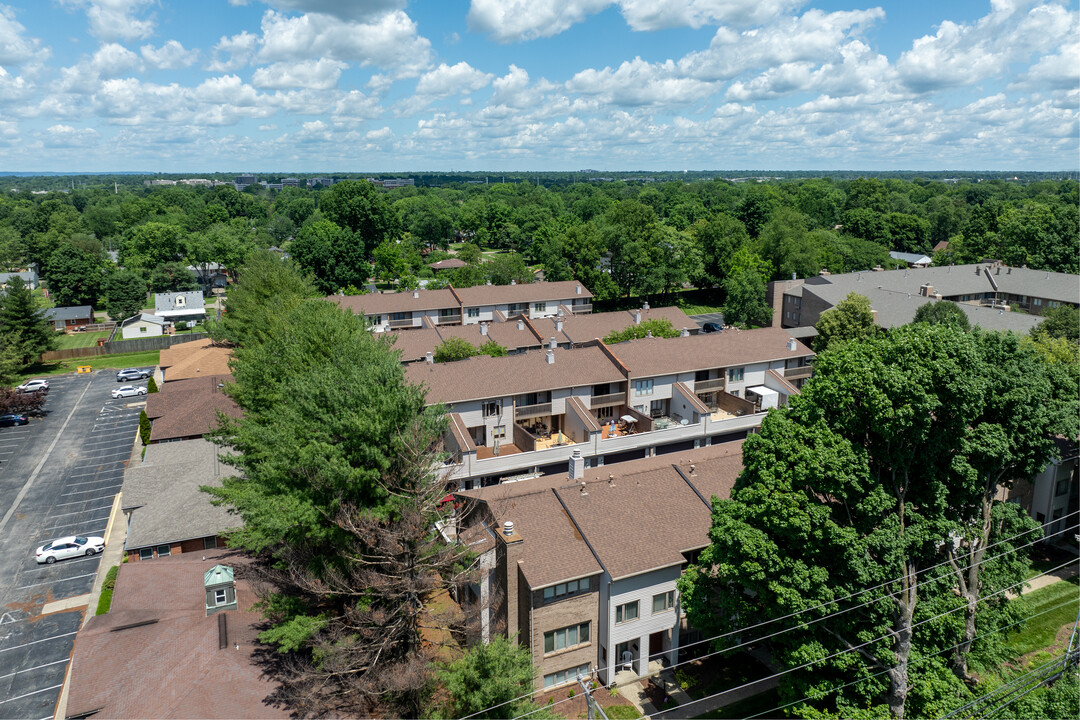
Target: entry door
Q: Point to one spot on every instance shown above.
(656, 645)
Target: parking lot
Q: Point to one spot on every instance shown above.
(59, 476)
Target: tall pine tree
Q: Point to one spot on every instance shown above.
(25, 332)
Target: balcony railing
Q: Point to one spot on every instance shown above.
(798, 373)
(450, 319)
(600, 401)
(408, 322)
(528, 411)
(582, 308)
(703, 386)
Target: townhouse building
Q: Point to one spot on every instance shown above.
(526, 414)
(581, 569)
(467, 306)
(986, 292)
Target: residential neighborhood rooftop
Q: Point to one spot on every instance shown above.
(76, 312)
(659, 356)
(188, 408)
(194, 359)
(582, 328)
(479, 295)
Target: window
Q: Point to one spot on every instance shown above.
(400, 316)
(540, 307)
(563, 589)
(142, 328)
(1062, 487)
(605, 413)
(220, 597)
(209, 543)
(567, 637)
(564, 676)
(626, 613)
(164, 550)
(735, 375)
(1051, 303)
(146, 554)
(701, 375)
(517, 308)
(179, 301)
(663, 602)
(643, 387)
(498, 432)
(473, 312)
(491, 409)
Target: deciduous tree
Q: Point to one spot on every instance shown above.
(125, 295)
(850, 319)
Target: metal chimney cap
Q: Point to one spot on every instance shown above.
(508, 528)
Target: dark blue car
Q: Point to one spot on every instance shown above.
(13, 420)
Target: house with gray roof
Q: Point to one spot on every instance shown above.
(180, 306)
(63, 318)
(166, 512)
(30, 277)
(142, 325)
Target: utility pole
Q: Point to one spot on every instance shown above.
(594, 707)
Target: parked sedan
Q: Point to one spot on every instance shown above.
(34, 386)
(128, 391)
(711, 327)
(68, 547)
(13, 420)
(129, 374)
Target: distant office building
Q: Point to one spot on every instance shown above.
(290, 182)
(320, 181)
(242, 181)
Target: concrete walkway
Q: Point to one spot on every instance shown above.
(1043, 580)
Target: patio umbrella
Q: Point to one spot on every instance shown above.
(628, 419)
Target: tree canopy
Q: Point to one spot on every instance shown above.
(656, 327)
(850, 319)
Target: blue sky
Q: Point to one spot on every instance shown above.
(400, 85)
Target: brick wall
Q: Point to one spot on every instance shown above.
(562, 613)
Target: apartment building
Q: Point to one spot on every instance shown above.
(582, 568)
(467, 306)
(526, 414)
(986, 292)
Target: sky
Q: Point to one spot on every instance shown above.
(442, 85)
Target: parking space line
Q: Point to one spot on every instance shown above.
(50, 582)
(20, 697)
(35, 642)
(77, 512)
(76, 502)
(39, 568)
(36, 667)
(54, 528)
(125, 441)
(90, 482)
(82, 492)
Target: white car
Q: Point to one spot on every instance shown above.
(128, 391)
(33, 386)
(67, 547)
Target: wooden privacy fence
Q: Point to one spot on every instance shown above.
(123, 346)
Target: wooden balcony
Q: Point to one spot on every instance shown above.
(602, 401)
(401, 323)
(704, 386)
(522, 412)
(798, 373)
(581, 308)
(450, 319)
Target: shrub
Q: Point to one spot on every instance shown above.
(144, 428)
(659, 327)
(181, 326)
(454, 348)
(151, 386)
(107, 587)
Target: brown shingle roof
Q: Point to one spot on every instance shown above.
(188, 408)
(484, 377)
(642, 522)
(583, 328)
(448, 264)
(649, 357)
(504, 333)
(530, 292)
(552, 548)
(194, 359)
(383, 303)
(171, 666)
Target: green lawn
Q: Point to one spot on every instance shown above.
(617, 712)
(122, 360)
(66, 341)
(1039, 632)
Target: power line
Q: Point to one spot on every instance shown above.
(855, 648)
(805, 610)
(877, 674)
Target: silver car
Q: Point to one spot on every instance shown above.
(128, 391)
(68, 547)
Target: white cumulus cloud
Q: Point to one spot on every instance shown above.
(659, 14)
(514, 20)
(320, 74)
(234, 52)
(170, 56)
(637, 83)
(116, 19)
(15, 48)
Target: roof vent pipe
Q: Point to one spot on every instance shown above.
(521, 324)
(552, 344)
(791, 344)
(508, 528)
(513, 282)
(558, 325)
(794, 276)
(483, 328)
(637, 317)
(648, 333)
(684, 333)
(550, 357)
(578, 290)
(577, 466)
(645, 306)
(416, 294)
(429, 358)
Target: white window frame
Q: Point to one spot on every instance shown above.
(491, 408)
(146, 553)
(499, 432)
(473, 312)
(540, 307)
(736, 374)
(668, 604)
(221, 597)
(643, 387)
